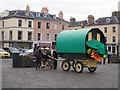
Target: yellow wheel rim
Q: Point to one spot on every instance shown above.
(65, 65)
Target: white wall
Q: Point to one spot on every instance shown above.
(13, 22)
(15, 33)
(12, 25)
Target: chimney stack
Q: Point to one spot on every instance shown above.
(27, 10)
(44, 10)
(90, 18)
(116, 13)
(60, 15)
(72, 19)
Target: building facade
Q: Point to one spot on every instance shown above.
(47, 27)
(110, 26)
(16, 28)
(23, 28)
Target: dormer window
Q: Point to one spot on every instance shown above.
(37, 14)
(108, 20)
(54, 16)
(82, 25)
(96, 22)
(44, 15)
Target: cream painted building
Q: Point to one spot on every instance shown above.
(16, 28)
(110, 26)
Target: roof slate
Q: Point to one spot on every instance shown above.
(78, 23)
(99, 21)
(32, 15)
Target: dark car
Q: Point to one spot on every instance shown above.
(28, 53)
(11, 50)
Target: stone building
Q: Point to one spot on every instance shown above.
(16, 28)
(23, 28)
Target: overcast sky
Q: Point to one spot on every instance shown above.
(79, 9)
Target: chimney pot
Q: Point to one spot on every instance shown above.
(44, 10)
(72, 19)
(27, 8)
(60, 15)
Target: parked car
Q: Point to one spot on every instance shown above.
(28, 53)
(23, 50)
(11, 50)
(4, 54)
(114, 59)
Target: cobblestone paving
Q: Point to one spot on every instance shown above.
(106, 76)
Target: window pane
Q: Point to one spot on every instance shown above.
(29, 23)
(109, 48)
(48, 37)
(114, 39)
(39, 36)
(39, 24)
(10, 36)
(106, 39)
(20, 23)
(105, 29)
(19, 35)
(2, 35)
(2, 24)
(114, 29)
(56, 26)
(113, 49)
(94, 36)
(29, 35)
(63, 27)
(47, 25)
(55, 37)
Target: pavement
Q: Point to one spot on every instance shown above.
(106, 76)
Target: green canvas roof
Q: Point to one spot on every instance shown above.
(72, 41)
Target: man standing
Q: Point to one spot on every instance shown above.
(38, 54)
(104, 58)
(55, 55)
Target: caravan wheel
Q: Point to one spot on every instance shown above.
(92, 69)
(78, 67)
(65, 65)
